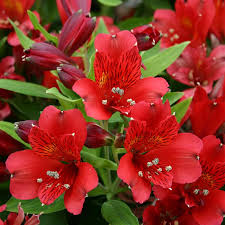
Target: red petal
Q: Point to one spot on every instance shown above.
(182, 154)
(212, 211)
(57, 122)
(128, 173)
(89, 91)
(26, 167)
(213, 150)
(7, 65)
(151, 216)
(85, 181)
(114, 45)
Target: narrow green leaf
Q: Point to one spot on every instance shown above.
(115, 118)
(98, 162)
(66, 91)
(2, 41)
(39, 27)
(100, 190)
(181, 108)
(151, 52)
(24, 40)
(118, 213)
(34, 206)
(133, 22)
(162, 4)
(110, 2)
(172, 97)
(9, 128)
(160, 61)
(25, 88)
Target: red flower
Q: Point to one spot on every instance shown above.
(168, 211)
(204, 195)
(206, 115)
(217, 27)
(193, 68)
(68, 7)
(190, 22)
(147, 36)
(53, 166)
(49, 80)
(117, 85)
(15, 10)
(18, 218)
(4, 110)
(156, 153)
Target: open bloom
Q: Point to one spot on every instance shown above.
(206, 115)
(190, 22)
(156, 153)
(117, 85)
(194, 69)
(53, 166)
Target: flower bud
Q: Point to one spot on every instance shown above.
(45, 55)
(119, 140)
(23, 128)
(97, 137)
(147, 36)
(76, 31)
(69, 74)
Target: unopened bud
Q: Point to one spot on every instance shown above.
(97, 137)
(69, 74)
(119, 140)
(23, 128)
(147, 37)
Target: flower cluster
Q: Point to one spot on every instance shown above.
(97, 121)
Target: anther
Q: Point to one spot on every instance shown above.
(104, 102)
(171, 30)
(140, 173)
(67, 186)
(168, 168)
(39, 180)
(149, 164)
(196, 191)
(214, 103)
(205, 192)
(155, 161)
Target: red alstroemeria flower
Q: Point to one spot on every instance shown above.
(147, 36)
(68, 7)
(190, 22)
(53, 166)
(49, 80)
(193, 68)
(15, 10)
(204, 196)
(117, 85)
(156, 153)
(18, 218)
(217, 27)
(206, 115)
(169, 211)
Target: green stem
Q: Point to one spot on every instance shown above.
(115, 154)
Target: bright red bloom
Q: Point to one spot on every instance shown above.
(204, 195)
(69, 74)
(15, 10)
(53, 166)
(190, 22)
(75, 32)
(169, 211)
(117, 85)
(218, 27)
(49, 80)
(156, 153)
(206, 115)
(194, 69)
(68, 7)
(18, 218)
(147, 36)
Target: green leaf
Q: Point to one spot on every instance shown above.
(115, 118)
(110, 2)
(181, 108)
(162, 4)
(66, 91)
(39, 27)
(162, 60)
(133, 22)
(151, 52)
(24, 40)
(9, 128)
(2, 41)
(34, 206)
(172, 97)
(100, 190)
(25, 88)
(98, 162)
(118, 213)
